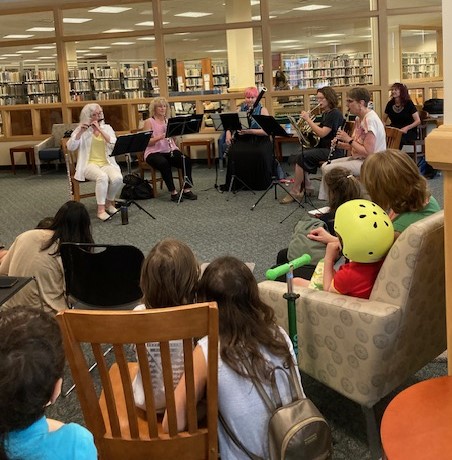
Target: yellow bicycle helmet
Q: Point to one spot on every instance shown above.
(365, 230)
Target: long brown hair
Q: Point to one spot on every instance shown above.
(393, 181)
(169, 275)
(342, 187)
(246, 323)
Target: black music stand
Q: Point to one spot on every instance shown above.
(178, 126)
(235, 121)
(273, 129)
(125, 145)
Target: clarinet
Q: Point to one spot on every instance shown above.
(333, 146)
(248, 115)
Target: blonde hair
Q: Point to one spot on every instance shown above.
(393, 181)
(157, 101)
(342, 187)
(169, 275)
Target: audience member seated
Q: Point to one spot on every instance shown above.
(342, 187)
(169, 277)
(365, 235)
(394, 182)
(36, 253)
(247, 331)
(250, 152)
(369, 136)
(31, 370)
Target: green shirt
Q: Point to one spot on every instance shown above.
(402, 221)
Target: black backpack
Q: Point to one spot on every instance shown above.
(136, 188)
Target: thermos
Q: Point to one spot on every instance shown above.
(124, 214)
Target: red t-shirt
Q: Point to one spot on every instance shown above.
(356, 279)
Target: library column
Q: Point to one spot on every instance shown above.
(240, 46)
(437, 145)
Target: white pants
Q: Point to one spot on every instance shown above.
(108, 181)
(353, 164)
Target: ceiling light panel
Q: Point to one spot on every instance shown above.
(109, 9)
(193, 14)
(76, 20)
(41, 29)
(312, 7)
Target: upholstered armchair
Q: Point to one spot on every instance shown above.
(364, 349)
(50, 149)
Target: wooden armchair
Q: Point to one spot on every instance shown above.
(120, 429)
(393, 137)
(143, 166)
(70, 158)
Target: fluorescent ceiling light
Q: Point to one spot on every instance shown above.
(44, 47)
(183, 33)
(216, 51)
(99, 47)
(1, 57)
(258, 18)
(46, 57)
(123, 43)
(146, 23)
(76, 20)
(109, 9)
(11, 55)
(41, 29)
(113, 31)
(18, 36)
(190, 39)
(81, 51)
(146, 38)
(193, 14)
(254, 2)
(329, 35)
(312, 7)
(330, 41)
(93, 54)
(285, 41)
(27, 52)
(365, 36)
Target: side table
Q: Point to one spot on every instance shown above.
(208, 143)
(280, 140)
(29, 151)
(417, 424)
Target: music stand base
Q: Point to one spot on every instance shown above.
(127, 203)
(274, 184)
(244, 185)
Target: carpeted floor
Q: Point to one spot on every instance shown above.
(212, 226)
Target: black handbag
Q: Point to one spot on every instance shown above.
(136, 188)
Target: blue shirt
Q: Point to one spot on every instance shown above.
(70, 442)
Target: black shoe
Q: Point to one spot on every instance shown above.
(189, 195)
(175, 198)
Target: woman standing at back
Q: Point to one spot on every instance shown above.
(248, 331)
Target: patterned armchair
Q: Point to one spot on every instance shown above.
(50, 149)
(364, 349)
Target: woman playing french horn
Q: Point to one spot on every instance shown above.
(310, 159)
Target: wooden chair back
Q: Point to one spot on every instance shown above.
(120, 429)
(393, 137)
(70, 158)
(143, 166)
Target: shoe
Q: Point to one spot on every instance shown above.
(290, 198)
(111, 209)
(189, 195)
(224, 187)
(103, 216)
(175, 198)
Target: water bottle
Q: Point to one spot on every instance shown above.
(288, 128)
(124, 214)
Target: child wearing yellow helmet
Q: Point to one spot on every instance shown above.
(365, 235)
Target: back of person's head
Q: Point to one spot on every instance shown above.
(365, 231)
(87, 112)
(404, 94)
(251, 92)
(71, 224)
(342, 187)
(169, 275)
(156, 102)
(359, 93)
(245, 322)
(393, 181)
(330, 96)
(31, 363)
(46, 222)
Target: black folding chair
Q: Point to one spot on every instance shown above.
(101, 276)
